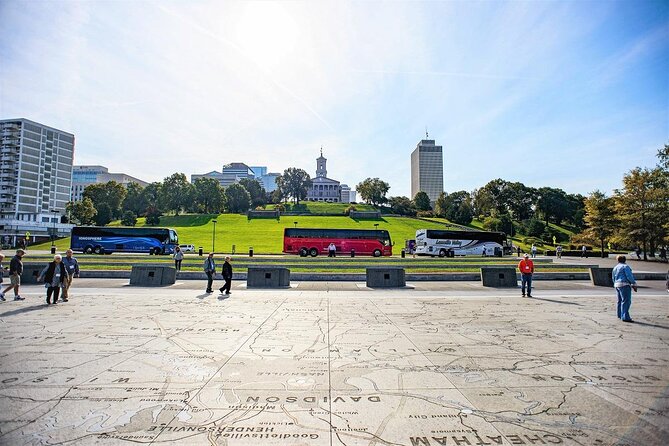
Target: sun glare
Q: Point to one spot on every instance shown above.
(267, 33)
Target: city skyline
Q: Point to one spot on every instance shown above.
(549, 94)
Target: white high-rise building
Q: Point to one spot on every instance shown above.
(427, 169)
(35, 179)
(83, 176)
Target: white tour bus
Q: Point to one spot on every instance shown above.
(442, 243)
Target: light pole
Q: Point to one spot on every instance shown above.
(213, 237)
(376, 226)
(295, 223)
(53, 229)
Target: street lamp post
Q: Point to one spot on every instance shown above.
(295, 223)
(376, 226)
(53, 229)
(213, 237)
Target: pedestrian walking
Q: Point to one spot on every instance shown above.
(54, 276)
(72, 268)
(624, 283)
(2, 272)
(226, 272)
(663, 254)
(483, 253)
(332, 250)
(534, 251)
(518, 250)
(15, 271)
(638, 252)
(178, 256)
(210, 270)
(558, 251)
(526, 267)
(584, 251)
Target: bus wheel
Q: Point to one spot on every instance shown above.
(97, 250)
(303, 252)
(442, 253)
(88, 250)
(313, 252)
(377, 253)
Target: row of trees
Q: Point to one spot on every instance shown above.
(105, 202)
(636, 215)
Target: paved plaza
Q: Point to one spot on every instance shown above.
(335, 364)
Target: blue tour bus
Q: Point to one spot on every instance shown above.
(108, 239)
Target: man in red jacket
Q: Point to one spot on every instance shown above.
(526, 267)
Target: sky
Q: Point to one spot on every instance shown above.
(550, 93)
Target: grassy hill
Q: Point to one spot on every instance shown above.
(266, 235)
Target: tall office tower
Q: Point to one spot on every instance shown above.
(35, 178)
(427, 169)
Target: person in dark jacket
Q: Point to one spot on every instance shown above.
(226, 271)
(15, 271)
(54, 276)
(210, 270)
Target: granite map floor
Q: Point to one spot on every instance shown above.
(306, 367)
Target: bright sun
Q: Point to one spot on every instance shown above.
(267, 33)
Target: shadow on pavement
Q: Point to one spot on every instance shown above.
(556, 301)
(646, 324)
(203, 295)
(22, 310)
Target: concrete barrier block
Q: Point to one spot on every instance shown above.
(268, 277)
(385, 277)
(30, 273)
(601, 277)
(499, 277)
(152, 275)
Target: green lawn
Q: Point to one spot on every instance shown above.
(266, 235)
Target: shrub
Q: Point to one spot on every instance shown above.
(533, 241)
(129, 219)
(280, 207)
(153, 216)
(348, 210)
(426, 214)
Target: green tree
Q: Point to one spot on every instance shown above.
(663, 157)
(237, 198)
(520, 200)
(129, 219)
(176, 193)
(104, 214)
(440, 205)
(642, 207)
(600, 217)
(209, 196)
(151, 196)
(456, 207)
(553, 204)
(134, 200)
(255, 190)
(534, 227)
(492, 198)
(111, 193)
(82, 212)
(402, 206)
(153, 215)
(422, 201)
(294, 183)
(373, 190)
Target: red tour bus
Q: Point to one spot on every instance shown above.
(314, 241)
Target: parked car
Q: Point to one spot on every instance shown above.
(187, 248)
